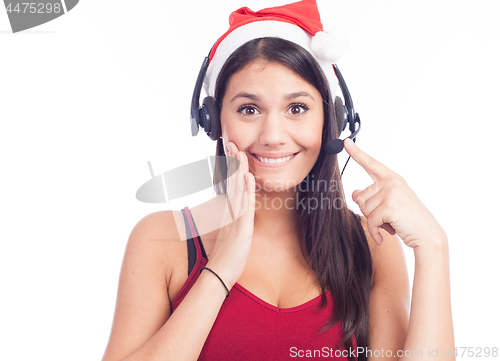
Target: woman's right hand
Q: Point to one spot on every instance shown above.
(230, 252)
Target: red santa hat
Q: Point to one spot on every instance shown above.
(298, 22)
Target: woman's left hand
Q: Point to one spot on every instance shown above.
(391, 204)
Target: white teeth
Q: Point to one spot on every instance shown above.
(275, 160)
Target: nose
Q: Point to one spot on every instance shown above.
(273, 131)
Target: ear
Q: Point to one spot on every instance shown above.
(340, 114)
(211, 114)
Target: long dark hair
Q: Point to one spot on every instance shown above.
(332, 238)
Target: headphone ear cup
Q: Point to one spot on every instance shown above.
(210, 118)
(340, 114)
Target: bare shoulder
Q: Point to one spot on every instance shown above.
(159, 235)
(153, 255)
(156, 225)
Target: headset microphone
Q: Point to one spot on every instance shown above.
(335, 146)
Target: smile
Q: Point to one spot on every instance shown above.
(273, 161)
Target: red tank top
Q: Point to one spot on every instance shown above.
(248, 328)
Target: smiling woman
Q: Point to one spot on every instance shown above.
(273, 76)
(292, 269)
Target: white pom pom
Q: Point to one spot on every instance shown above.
(330, 45)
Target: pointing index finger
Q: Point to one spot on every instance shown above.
(373, 167)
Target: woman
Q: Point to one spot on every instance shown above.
(292, 272)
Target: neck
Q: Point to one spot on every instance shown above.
(275, 213)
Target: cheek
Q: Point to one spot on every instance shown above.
(227, 130)
(318, 133)
(311, 137)
(223, 125)
(231, 132)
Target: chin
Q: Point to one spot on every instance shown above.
(267, 184)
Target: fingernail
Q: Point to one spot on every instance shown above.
(348, 142)
(381, 238)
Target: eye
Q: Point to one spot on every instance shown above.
(248, 110)
(297, 109)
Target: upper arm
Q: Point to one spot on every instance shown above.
(143, 303)
(389, 296)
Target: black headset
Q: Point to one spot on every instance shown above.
(207, 116)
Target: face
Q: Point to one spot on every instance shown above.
(276, 118)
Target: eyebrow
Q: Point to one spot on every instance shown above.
(298, 95)
(246, 95)
(287, 97)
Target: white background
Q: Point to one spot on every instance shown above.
(87, 99)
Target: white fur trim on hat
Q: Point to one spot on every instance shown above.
(259, 29)
(330, 45)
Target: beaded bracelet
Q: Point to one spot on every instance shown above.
(220, 279)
